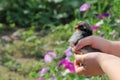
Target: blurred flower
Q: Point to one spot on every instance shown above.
(48, 58)
(53, 77)
(70, 66)
(84, 7)
(52, 53)
(117, 21)
(67, 64)
(86, 79)
(43, 71)
(95, 27)
(68, 52)
(99, 23)
(40, 79)
(62, 62)
(103, 15)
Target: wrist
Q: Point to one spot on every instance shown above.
(107, 46)
(101, 57)
(115, 48)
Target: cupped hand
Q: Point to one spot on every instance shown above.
(87, 64)
(95, 42)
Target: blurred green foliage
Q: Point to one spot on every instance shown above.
(25, 13)
(55, 19)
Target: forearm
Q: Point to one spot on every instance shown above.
(102, 44)
(105, 46)
(115, 48)
(110, 47)
(110, 65)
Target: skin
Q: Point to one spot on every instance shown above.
(98, 63)
(106, 46)
(87, 65)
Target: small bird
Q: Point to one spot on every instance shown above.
(82, 30)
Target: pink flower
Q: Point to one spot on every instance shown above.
(43, 71)
(103, 15)
(53, 77)
(61, 62)
(68, 52)
(67, 64)
(49, 56)
(40, 79)
(95, 27)
(84, 7)
(52, 53)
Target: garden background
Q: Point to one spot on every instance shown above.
(34, 35)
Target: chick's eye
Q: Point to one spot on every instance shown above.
(82, 27)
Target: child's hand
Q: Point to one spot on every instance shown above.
(87, 64)
(95, 42)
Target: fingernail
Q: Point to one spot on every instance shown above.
(73, 49)
(76, 48)
(76, 52)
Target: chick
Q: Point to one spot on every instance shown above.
(82, 30)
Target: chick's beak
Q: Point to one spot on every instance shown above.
(76, 27)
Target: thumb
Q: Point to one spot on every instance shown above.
(78, 68)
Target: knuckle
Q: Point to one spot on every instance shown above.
(79, 41)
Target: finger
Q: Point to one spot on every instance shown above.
(74, 51)
(80, 70)
(79, 58)
(77, 63)
(72, 45)
(84, 42)
(73, 48)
